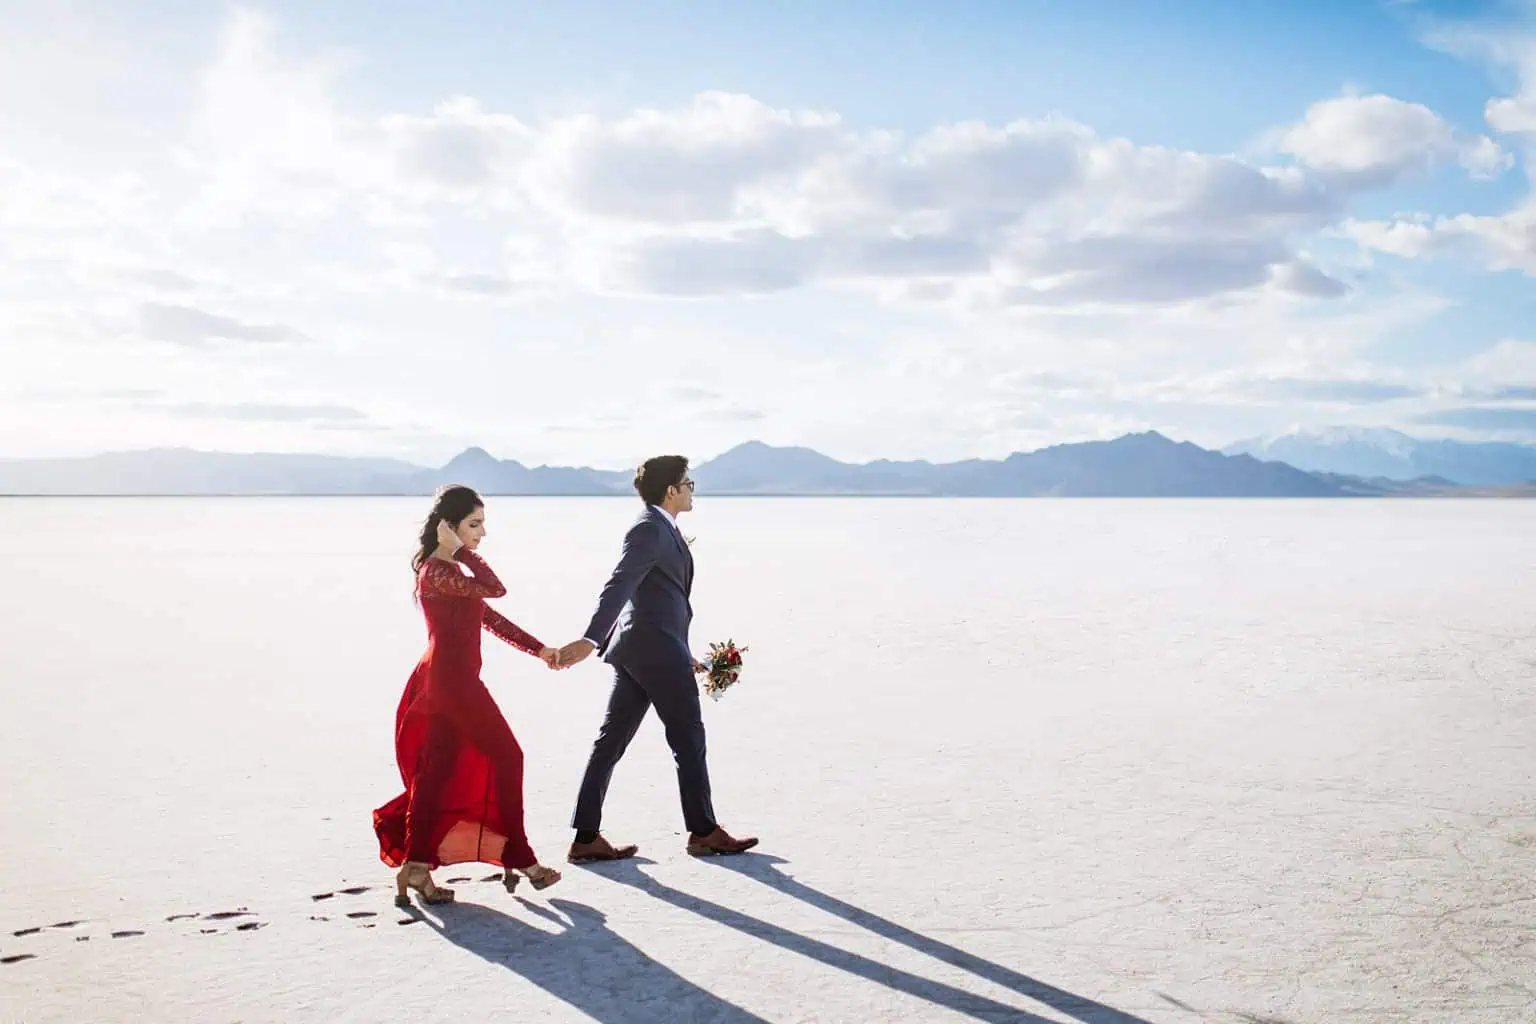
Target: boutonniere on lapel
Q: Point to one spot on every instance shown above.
(688, 540)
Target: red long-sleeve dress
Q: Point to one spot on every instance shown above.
(461, 765)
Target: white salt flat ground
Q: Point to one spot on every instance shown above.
(1035, 760)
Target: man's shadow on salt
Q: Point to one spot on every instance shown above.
(764, 868)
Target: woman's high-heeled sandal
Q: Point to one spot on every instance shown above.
(416, 875)
(541, 876)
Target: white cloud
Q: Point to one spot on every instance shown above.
(459, 266)
(458, 153)
(1375, 140)
(708, 162)
(728, 196)
(1030, 212)
(1501, 241)
(276, 412)
(266, 137)
(1504, 242)
(1509, 362)
(64, 202)
(1513, 114)
(1302, 278)
(1511, 48)
(186, 325)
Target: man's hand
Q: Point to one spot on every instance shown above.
(699, 666)
(550, 656)
(573, 652)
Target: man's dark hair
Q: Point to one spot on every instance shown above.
(657, 474)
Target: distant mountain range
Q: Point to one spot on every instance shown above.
(183, 471)
(1136, 465)
(1379, 452)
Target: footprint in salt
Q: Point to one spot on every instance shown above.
(127, 934)
(67, 924)
(250, 926)
(26, 931)
(362, 913)
(17, 958)
(225, 915)
(317, 897)
(183, 917)
(357, 890)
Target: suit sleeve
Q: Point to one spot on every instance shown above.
(641, 547)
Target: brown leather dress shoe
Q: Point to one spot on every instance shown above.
(599, 849)
(718, 843)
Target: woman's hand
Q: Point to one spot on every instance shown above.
(448, 538)
(550, 656)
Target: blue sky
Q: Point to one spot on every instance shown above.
(572, 234)
(1156, 71)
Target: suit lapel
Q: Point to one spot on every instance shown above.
(687, 561)
(670, 530)
(682, 548)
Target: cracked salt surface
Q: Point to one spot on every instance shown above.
(1092, 761)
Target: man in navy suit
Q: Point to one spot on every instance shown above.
(641, 629)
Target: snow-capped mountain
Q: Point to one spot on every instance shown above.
(1383, 452)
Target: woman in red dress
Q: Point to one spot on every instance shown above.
(461, 765)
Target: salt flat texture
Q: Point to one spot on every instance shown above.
(1030, 760)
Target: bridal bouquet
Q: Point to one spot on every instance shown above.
(723, 668)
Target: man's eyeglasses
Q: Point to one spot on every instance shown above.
(685, 483)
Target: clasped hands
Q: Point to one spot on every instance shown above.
(558, 658)
(564, 657)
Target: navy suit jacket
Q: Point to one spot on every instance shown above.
(643, 613)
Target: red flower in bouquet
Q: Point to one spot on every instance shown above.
(723, 668)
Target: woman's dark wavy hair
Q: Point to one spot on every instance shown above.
(455, 503)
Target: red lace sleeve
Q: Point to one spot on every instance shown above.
(443, 580)
(511, 632)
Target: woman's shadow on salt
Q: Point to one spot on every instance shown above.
(584, 964)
